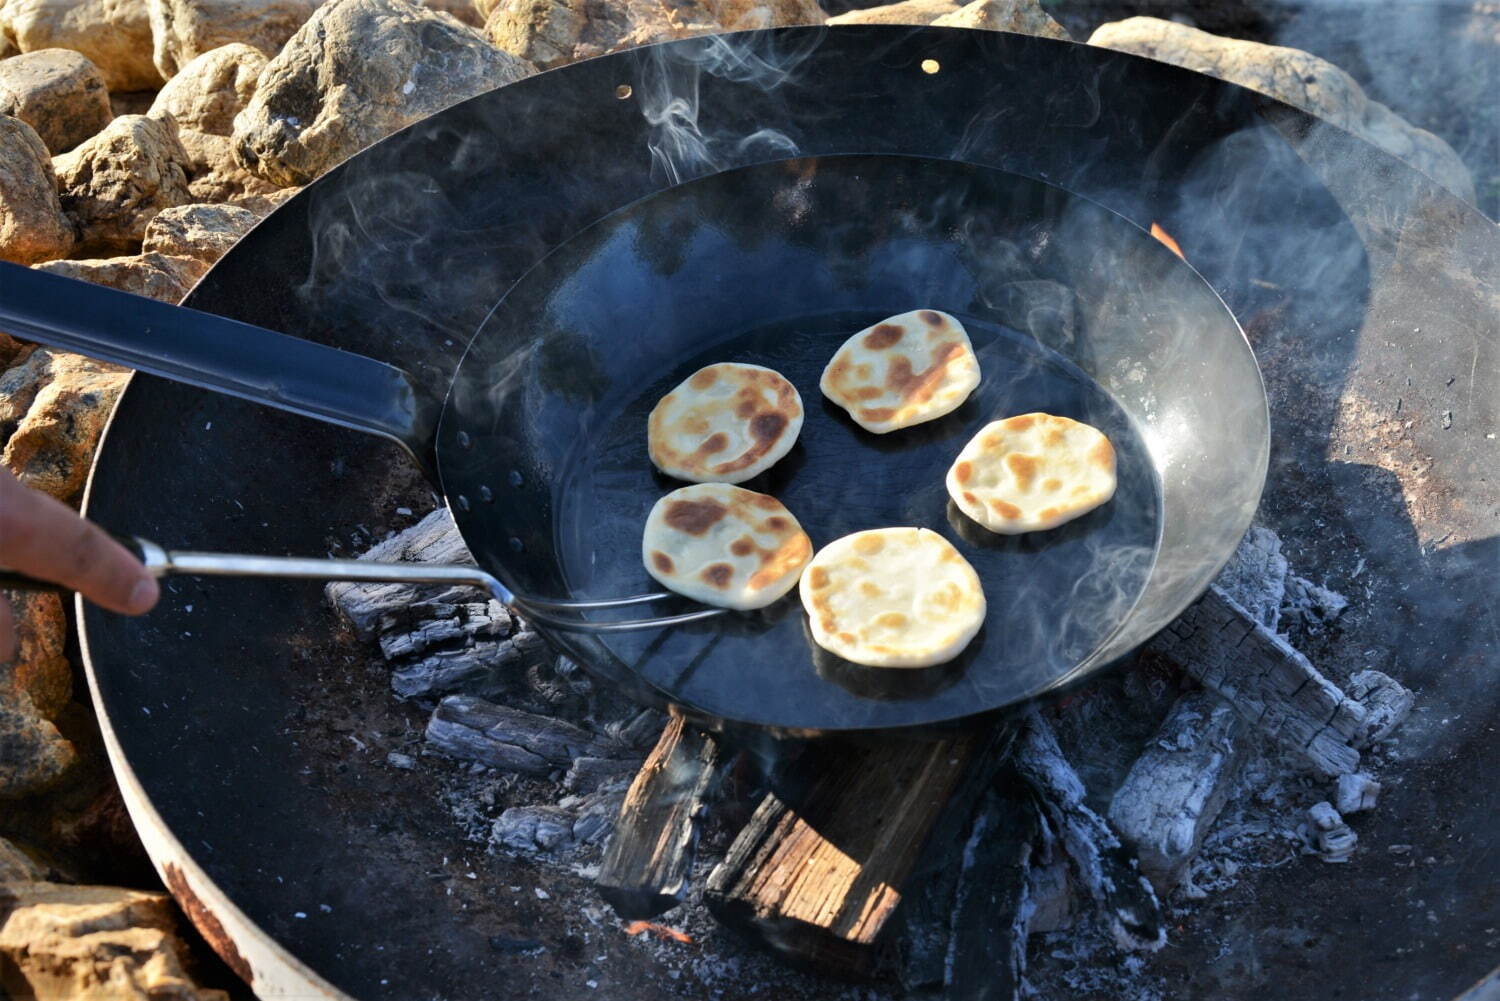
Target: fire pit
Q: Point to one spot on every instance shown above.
(287, 797)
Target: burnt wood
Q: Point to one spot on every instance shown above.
(1267, 680)
(649, 858)
(467, 727)
(821, 869)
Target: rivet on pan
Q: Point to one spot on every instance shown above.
(464, 441)
(515, 478)
(486, 494)
(930, 66)
(463, 502)
(623, 91)
(515, 545)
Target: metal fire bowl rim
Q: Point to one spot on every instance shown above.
(236, 920)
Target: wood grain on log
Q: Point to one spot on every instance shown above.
(1268, 682)
(822, 866)
(471, 728)
(650, 855)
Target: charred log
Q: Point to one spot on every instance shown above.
(819, 871)
(1177, 786)
(1273, 686)
(470, 728)
(650, 856)
(1104, 867)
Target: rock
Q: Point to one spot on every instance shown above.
(115, 35)
(1296, 77)
(1025, 17)
(57, 92)
(356, 72)
(202, 232)
(16, 866)
(33, 755)
(906, 12)
(264, 205)
(117, 181)
(154, 275)
(61, 943)
(743, 15)
(32, 225)
(463, 10)
(551, 33)
(57, 404)
(183, 30)
(206, 94)
(40, 667)
(214, 176)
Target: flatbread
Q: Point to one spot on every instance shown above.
(724, 545)
(892, 597)
(902, 371)
(1032, 472)
(724, 424)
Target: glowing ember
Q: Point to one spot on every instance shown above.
(1166, 238)
(660, 931)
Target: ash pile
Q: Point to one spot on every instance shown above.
(1043, 856)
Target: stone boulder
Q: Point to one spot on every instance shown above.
(743, 15)
(33, 755)
(40, 667)
(16, 866)
(200, 232)
(32, 224)
(264, 205)
(356, 72)
(463, 10)
(1298, 78)
(115, 182)
(57, 404)
(114, 34)
(206, 94)
(62, 943)
(214, 176)
(551, 33)
(57, 92)
(155, 276)
(183, 30)
(1023, 16)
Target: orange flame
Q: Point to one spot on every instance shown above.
(1166, 238)
(660, 931)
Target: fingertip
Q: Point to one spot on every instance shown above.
(143, 596)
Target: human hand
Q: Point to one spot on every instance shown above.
(44, 538)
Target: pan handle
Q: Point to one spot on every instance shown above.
(219, 354)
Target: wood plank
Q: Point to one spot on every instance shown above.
(649, 858)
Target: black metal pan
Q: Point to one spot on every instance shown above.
(540, 447)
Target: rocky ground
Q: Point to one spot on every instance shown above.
(139, 139)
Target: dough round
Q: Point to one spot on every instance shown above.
(892, 597)
(905, 370)
(724, 424)
(1032, 472)
(724, 545)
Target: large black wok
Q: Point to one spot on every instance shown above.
(541, 451)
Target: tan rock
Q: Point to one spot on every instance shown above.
(40, 666)
(551, 33)
(154, 275)
(183, 30)
(209, 91)
(214, 175)
(906, 12)
(58, 404)
(114, 34)
(356, 72)
(1024, 17)
(202, 232)
(264, 205)
(115, 182)
(32, 225)
(743, 15)
(63, 943)
(463, 10)
(1296, 77)
(16, 866)
(57, 92)
(33, 755)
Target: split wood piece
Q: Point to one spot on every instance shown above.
(820, 870)
(650, 855)
(434, 539)
(1268, 682)
(1102, 863)
(986, 958)
(1175, 789)
(470, 728)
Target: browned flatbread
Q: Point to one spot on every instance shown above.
(724, 424)
(907, 369)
